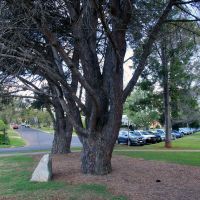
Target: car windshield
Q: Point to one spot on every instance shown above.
(160, 131)
(144, 133)
(123, 133)
(137, 133)
(134, 134)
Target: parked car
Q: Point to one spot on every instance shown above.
(177, 134)
(148, 137)
(157, 135)
(122, 137)
(135, 138)
(162, 133)
(15, 126)
(27, 125)
(185, 131)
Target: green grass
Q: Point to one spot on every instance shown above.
(14, 182)
(186, 158)
(15, 140)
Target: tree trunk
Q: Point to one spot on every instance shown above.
(63, 132)
(62, 140)
(166, 96)
(96, 155)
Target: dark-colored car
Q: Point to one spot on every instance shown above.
(177, 134)
(157, 135)
(15, 126)
(162, 133)
(122, 137)
(135, 138)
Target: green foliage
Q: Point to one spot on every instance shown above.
(21, 111)
(3, 126)
(140, 110)
(183, 75)
(15, 140)
(4, 139)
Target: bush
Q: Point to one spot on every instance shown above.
(4, 139)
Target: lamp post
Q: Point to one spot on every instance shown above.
(128, 132)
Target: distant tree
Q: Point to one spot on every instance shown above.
(140, 109)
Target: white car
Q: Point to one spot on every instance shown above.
(148, 137)
(27, 125)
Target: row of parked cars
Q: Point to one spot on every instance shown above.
(141, 137)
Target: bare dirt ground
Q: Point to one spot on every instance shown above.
(135, 178)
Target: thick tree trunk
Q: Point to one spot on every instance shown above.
(96, 157)
(98, 147)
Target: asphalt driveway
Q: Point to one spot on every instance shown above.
(36, 140)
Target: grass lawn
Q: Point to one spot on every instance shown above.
(14, 183)
(186, 158)
(15, 140)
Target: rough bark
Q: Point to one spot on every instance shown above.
(97, 150)
(62, 134)
(166, 96)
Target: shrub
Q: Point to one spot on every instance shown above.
(4, 139)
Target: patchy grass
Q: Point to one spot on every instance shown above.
(15, 140)
(186, 158)
(14, 183)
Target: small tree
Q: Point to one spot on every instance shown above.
(3, 137)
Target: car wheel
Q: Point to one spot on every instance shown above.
(118, 142)
(129, 143)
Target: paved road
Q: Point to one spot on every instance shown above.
(36, 140)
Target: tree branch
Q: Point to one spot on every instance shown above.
(147, 50)
(185, 2)
(54, 42)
